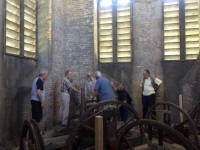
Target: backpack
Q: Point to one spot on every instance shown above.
(155, 86)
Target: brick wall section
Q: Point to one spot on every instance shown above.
(72, 47)
(147, 49)
(147, 33)
(2, 103)
(16, 77)
(79, 36)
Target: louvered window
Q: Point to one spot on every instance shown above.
(14, 30)
(105, 32)
(181, 29)
(114, 26)
(13, 27)
(171, 30)
(123, 33)
(30, 28)
(192, 29)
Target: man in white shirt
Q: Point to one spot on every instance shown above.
(150, 87)
(89, 86)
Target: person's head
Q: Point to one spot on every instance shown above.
(146, 73)
(43, 74)
(97, 74)
(89, 75)
(68, 73)
(121, 87)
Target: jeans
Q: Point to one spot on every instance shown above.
(147, 103)
(124, 113)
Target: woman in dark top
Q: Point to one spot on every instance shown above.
(123, 97)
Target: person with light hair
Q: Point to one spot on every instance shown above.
(103, 89)
(38, 96)
(89, 85)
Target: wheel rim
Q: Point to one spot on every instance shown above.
(167, 110)
(175, 136)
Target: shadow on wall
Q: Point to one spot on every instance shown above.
(119, 73)
(190, 86)
(16, 113)
(173, 73)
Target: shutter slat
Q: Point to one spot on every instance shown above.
(13, 27)
(192, 28)
(171, 30)
(30, 28)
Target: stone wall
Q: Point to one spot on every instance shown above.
(2, 102)
(79, 37)
(66, 40)
(147, 49)
(16, 76)
(72, 47)
(190, 85)
(148, 54)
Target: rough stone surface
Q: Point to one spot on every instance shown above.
(16, 76)
(190, 86)
(147, 49)
(70, 44)
(72, 47)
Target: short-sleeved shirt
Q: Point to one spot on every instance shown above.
(66, 86)
(148, 87)
(89, 87)
(38, 84)
(104, 89)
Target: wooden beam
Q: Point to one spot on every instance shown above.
(98, 133)
(181, 106)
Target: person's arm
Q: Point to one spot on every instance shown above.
(72, 87)
(39, 85)
(158, 82)
(113, 86)
(75, 89)
(40, 98)
(96, 88)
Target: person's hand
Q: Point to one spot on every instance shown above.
(42, 104)
(124, 102)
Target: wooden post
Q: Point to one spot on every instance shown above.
(181, 106)
(98, 133)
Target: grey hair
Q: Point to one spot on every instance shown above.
(42, 72)
(98, 74)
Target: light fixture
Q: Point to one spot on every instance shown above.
(123, 2)
(105, 3)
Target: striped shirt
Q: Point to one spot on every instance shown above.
(66, 85)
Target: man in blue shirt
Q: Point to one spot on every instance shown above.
(38, 96)
(103, 89)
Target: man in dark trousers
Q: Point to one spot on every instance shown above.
(149, 88)
(38, 96)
